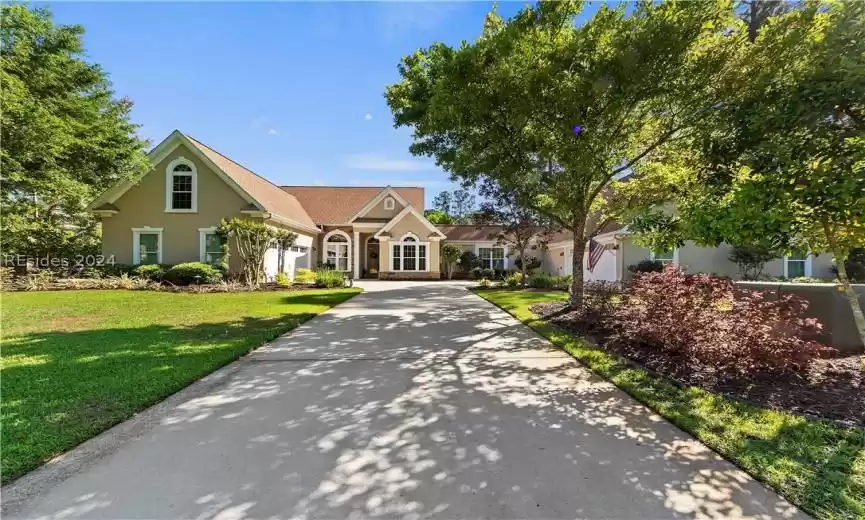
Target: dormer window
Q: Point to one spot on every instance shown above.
(181, 187)
(388, 203)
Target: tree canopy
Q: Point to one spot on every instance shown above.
(559, 112)
(780, 162)
(65, 137)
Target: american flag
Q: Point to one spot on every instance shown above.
(596, 251)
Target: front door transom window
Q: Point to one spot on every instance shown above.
(409, 254)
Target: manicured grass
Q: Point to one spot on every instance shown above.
(816, 465)
(75, 363)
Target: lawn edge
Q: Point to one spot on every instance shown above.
(557, 336)
(20, 488)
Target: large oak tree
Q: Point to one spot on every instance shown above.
(557, 111)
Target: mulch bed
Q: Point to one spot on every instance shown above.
(829, 388)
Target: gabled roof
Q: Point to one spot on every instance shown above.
(269, 195)
(410, 210)
(262, 195)
(386, 192)
(335, 205)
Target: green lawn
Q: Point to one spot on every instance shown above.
(77, 362)
(816, 465)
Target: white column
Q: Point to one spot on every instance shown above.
(357, 255)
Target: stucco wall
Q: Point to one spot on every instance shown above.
(716, 260)
(410, 224)
(378, 210)
(144, 206)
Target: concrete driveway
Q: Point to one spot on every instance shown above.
(412, 400)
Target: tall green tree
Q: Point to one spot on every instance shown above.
(442, 202)
(781, 163)
(559, 112)
(462, 205)
(437, 216)
(65, 137)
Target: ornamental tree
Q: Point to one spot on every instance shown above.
(557, 112)
(780, 163)
(252, 239)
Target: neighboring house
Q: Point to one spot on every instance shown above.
(620, 252)
(170, 213)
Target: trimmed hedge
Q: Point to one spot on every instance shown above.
(193, 273)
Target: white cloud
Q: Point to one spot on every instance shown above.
(378, 162)
(273, 131)
(367, 117)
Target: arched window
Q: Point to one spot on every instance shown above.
(181, 186)
(409, 254)
(337, 250)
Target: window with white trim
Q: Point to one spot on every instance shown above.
(336, 250)
(147, 246)
(797, 265)
(666, 257)
(210, 246)
(409, 254)
(389, 203)
(181, 186)
(492, 257)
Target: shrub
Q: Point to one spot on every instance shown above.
(706, 319)
(303, 275)
(513, 279)
(531, 263)
(646, 266)
(541, 281)
(283, 280)
(562, 283)
(483, 283)
(329, 278)
(151, 271)
(469, 261)
(450, 255)
(193, 272)
(750, 260)
(7, 278)
(855, 266)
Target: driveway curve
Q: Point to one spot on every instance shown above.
(412, 400)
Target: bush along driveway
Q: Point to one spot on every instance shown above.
(77, 362)
(817, 465)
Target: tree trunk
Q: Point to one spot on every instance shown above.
(576, 299)
(852, 299)
(522, 253)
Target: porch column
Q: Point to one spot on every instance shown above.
(357, 255)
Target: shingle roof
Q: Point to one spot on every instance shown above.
(470, 232)
(274, 199)
(337, 204)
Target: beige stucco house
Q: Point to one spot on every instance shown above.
(169, 214)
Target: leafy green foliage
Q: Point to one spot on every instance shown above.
(751, 260)
(503, 108)
(253, 238)
(151, 271)
(437, 216)
(450, 255)
(329, 278)
(469, 261)
(65, 138)
(192, 273)
(513, 279)
(282, 280)
(783, 150)
(647, 266)
(303, 275)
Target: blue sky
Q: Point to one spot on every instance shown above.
(293, 91)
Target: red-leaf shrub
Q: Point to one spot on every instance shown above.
(711, 322)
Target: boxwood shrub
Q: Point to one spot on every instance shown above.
(193, 272)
